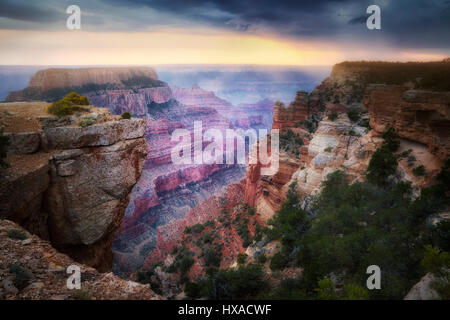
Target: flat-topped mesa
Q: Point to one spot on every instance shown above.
(66, 78)
(52, 84)
(70, 177)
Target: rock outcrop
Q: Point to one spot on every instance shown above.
(73, 187)
(336, 145)
(423, 290)
(30, 268)
(416, 115)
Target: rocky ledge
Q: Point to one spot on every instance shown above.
(69, 178)
(30, 268)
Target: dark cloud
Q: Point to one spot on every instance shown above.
(405, 23)
(358, 20)
(419, 23)
(28, 12)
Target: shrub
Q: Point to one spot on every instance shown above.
(390, 139)
(382, 164)
(126, 115)
(326, 290)
(262, 258)
(86, 123)
(290, 141)
(419, 171)
(63, 108)
(150, 277)
(4, 143)
(76, 99)
(196, 228)
(332, 116)
(241, 258)
(328, 149)
(438, 263)
(17, 234)
(355, 292)
(193, 290)
(71, 103)
(353, 115)
(279, 261)
(213, 256)
(22, 276)
(245, 282)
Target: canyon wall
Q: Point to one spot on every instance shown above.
(420, 118)
(67, 183)
(416, 115)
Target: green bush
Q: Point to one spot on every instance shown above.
(86, 123)
(241, 258)
(279, 261)
(262, 258)
(290, 141)
(17, 234)
(68, 105)
(126, 115)
(4, 143)
(193, 290)
(332, 116)
(245, 282)
(328, 149)
(196, 228)
(76, 99)
(438, 263)
(150, 277)
(213, 256)
(326, 290)
(355, 292)
(391, 141)
(80, 295)
(354, 115)
(382, 165)
(419, 171)
(22, 276)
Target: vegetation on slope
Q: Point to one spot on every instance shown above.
(352, 226)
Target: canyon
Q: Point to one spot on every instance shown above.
(113, 184)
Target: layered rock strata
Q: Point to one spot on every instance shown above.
(72, 186)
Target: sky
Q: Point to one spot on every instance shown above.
(264, 32)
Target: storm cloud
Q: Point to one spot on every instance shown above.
(405, 23)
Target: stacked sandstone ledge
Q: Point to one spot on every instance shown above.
(68, 183)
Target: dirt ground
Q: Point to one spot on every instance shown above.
(16, 117)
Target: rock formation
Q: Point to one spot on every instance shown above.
(30, 268)
(416, 115)
(70, 183)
